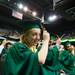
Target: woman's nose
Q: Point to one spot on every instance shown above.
(38, 37)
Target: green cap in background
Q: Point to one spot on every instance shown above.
(67, 43)
(53, 36)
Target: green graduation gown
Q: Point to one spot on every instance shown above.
(68, 62)
(20, 60)
(52, 65)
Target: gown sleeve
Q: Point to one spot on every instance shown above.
(68, 61)
(21, 61)
(52, 66)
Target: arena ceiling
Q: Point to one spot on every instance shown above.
(65, 9)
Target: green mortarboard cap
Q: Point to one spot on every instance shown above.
(53, 36)
(67, 43)
(27, 25)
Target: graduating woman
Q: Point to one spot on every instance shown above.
(24, 58)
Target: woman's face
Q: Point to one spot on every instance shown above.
(33, 36)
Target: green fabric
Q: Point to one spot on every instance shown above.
(52, 65)
(68, 61)
(27, 25)
(21, 61)
(67, 43)
(53, 36)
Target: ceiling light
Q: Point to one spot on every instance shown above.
(52, 18)
(8, 0)
(20, 6)
(25, 9)
(34, 13)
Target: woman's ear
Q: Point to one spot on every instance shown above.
(23, 38)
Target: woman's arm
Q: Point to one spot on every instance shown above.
(42, 54)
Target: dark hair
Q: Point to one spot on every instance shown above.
(67, 44)
(8, 43)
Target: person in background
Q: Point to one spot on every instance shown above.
(67, 59)
(2, 46)
(52, 60)
(5, 45)
(73, 49)
(5, 50)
